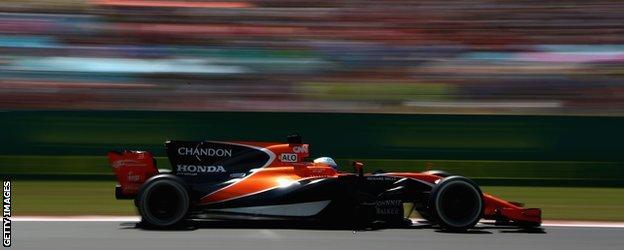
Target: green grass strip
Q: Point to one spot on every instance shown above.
(97, 198)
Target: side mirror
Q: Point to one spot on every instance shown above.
(358, 167)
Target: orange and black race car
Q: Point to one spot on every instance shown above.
(263, 180)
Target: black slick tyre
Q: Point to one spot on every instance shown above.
(163, 201)
(456, 203)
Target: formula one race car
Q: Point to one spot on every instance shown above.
(262, 180)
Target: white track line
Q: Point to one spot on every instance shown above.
(602, 224)
(77, 218)
(96, 218)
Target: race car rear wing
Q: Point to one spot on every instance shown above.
(132, 169)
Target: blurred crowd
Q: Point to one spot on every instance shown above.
(454, 56)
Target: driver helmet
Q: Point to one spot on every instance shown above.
(327, 160)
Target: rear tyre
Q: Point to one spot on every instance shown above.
(163, 201)
(456, 203)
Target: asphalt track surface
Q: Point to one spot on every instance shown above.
(95, 235)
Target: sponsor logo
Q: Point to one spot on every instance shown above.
(6, 213)
(196, 169)
(128, 163)
(205, 151)
(134, 177)
(381, 178)
(388, 202)
(389, 207)
(237, 175)
(320, 172)
(300, 149)
(288, 157)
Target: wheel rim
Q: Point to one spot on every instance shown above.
(163, 202)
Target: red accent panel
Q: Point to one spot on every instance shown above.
(132, 168)
(496, 208)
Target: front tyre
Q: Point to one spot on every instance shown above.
(163, 201)
(456, 203)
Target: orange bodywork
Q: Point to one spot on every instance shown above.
(279, 172)
(268, 178)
